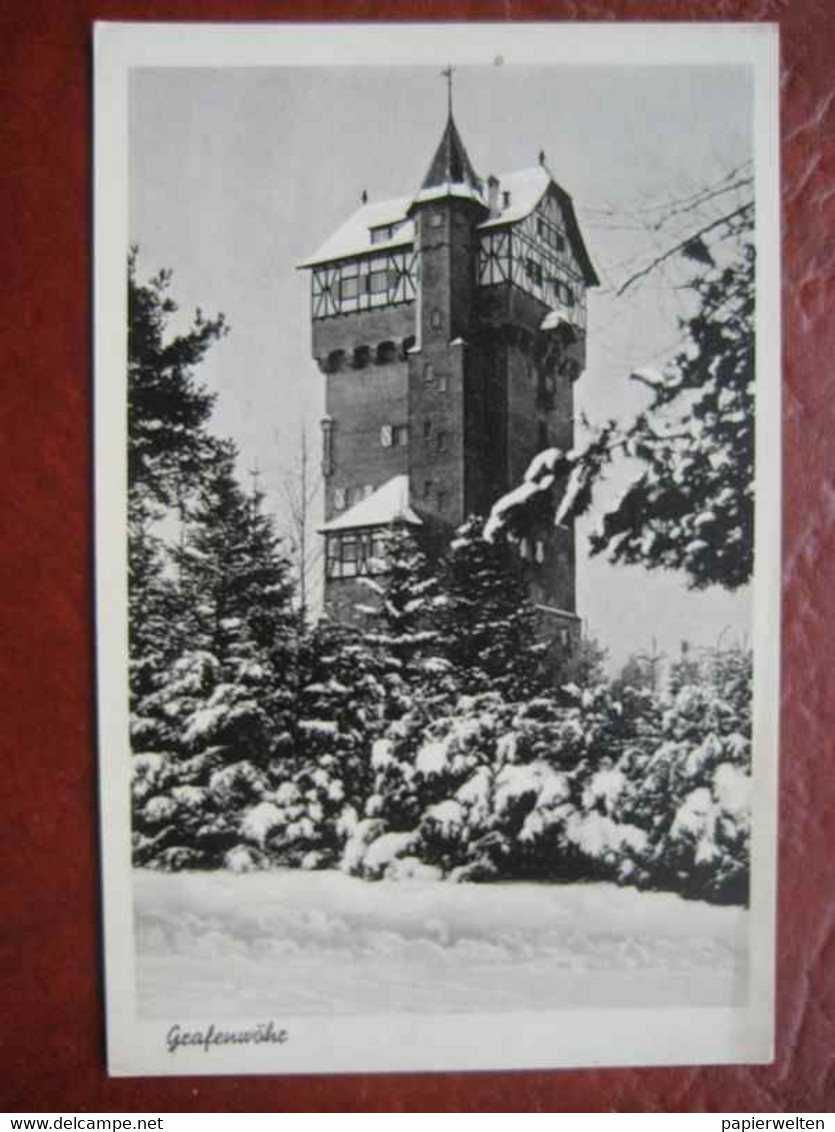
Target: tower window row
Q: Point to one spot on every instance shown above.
(345, 497)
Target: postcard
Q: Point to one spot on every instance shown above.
(437, 401)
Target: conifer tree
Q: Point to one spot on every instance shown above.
(154, 616)
(486, 622)
(400, 619)
(169, 447)
(168, 409)
(237, 596)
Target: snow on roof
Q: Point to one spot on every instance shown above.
(354, 236)
(388, 504)
(526, 188)
(450, 189)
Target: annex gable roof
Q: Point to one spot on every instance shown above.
(387, 505)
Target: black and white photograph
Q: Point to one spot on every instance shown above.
(438, 510)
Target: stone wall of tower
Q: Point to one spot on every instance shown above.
(364, 356)
(445, 236)
(523, 403)
(360, 403)
(486, 422)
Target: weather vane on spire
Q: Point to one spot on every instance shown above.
(447, 73)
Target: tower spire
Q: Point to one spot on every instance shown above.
(451, 164)
(447, 73)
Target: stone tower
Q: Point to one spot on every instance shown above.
(451, 327)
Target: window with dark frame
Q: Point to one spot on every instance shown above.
(352, 554)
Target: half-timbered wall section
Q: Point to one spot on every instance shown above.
(382, 280)
(535, 255)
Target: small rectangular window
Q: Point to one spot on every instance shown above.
(442, 383)
(440, 441)
(428, 374)
(442, 500)
(378, 282)
(427, 489)
(436, 219)
(383, 233)
(437, 319)
(427, 429)
(349, 288)
(386, 436)
(533, 270)
(400, 436)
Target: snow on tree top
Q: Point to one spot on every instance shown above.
(387, 505)
(543, 463)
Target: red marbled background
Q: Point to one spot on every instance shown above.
(52, 1040)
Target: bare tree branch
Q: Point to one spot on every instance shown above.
(743, 210)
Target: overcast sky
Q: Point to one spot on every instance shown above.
(237, 174)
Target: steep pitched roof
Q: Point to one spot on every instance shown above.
(388, 504)
(451, 164)
(354, 236)
(526, 188)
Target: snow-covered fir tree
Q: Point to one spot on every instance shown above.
(399, 614)
(488, 627)
(340, 709)
(228, 699)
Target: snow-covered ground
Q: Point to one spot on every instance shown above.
(297, 943)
